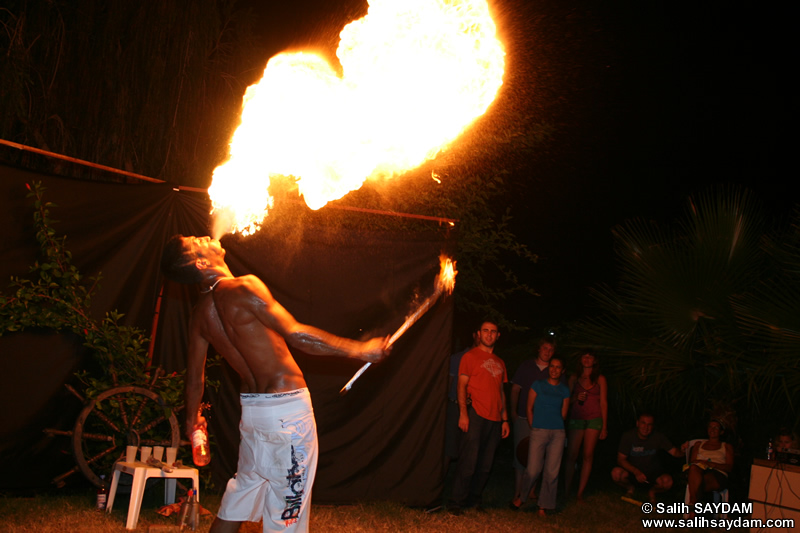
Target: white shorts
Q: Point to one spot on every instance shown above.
(277, 462)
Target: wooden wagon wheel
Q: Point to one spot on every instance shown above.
(116, 418)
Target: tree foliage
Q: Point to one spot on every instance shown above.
(705, 312)
(57, 297)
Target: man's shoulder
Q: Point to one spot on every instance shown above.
(496, 358)
(661, 439)
(465, 360)
(474, 353)
(247, 283)
(527, 367)
(525, 373)
(657, 435)
(242, 295)
(247, 279)
(477, 356)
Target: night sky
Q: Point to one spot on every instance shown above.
(646, 102)
(670, 98)
(663, 99)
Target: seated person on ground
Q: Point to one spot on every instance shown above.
(638, 463)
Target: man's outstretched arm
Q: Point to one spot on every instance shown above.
(310, 339)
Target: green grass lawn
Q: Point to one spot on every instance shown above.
(72, 510)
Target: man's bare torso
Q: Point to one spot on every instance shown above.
(226, 318)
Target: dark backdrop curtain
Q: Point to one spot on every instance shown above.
(382, 440)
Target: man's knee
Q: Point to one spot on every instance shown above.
(664, 482)
(618, 474)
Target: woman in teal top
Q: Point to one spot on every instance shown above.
(548, 404)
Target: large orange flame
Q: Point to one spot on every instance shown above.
(446, 281)
(415, 74)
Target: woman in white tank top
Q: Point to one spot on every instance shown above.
(710, 463)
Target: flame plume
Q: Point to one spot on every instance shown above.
(415, 74)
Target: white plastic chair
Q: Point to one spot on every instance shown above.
(720, 496)
(141, 472)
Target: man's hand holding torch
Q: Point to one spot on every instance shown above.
(443, 284)
(375, 350)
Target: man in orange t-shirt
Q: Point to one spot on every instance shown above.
(484, 421)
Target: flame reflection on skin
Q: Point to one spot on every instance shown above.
(415, 74)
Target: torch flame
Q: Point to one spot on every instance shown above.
(415, 74)
(446, 281)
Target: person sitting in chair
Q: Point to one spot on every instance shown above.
(710, 462)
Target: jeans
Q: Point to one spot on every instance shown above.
(544, 457)
(478, 446)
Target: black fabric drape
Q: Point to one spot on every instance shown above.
(382, 440)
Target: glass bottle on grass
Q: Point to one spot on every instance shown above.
(102, 494)
(190, 512)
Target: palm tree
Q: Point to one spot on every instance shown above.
(704, 314)
(770, 315)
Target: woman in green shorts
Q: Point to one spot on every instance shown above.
(588, 418)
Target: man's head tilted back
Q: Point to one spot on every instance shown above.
(178, 261)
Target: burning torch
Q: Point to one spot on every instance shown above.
(443, 284)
